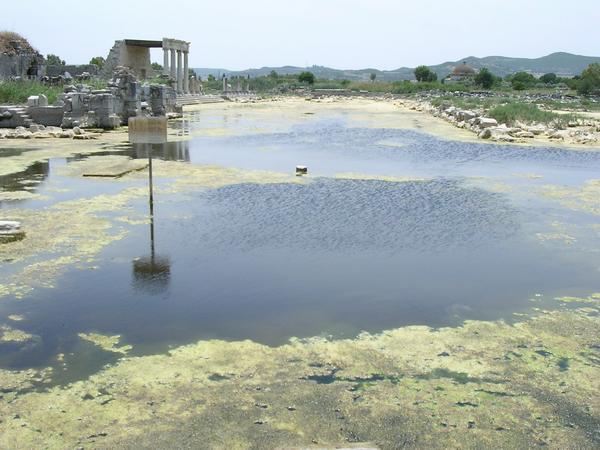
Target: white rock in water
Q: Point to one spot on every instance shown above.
(9, 227)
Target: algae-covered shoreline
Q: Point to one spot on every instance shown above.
(484, 384)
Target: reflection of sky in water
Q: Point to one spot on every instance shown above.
(267, 262)
(328, 147)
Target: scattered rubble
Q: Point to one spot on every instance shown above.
(81, 107)
(582, 132)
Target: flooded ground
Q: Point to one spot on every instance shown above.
(407, 276)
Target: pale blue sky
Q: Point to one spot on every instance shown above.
(352, 34)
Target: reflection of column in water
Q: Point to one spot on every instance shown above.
(183, 151)
(176, 151)
(151, 273)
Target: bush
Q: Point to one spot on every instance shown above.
(424, 74)
(590, 80)
(16, 92)
(54, 60)
(484, 78)
(306, 77)
(521, 81)
(549, 78)
(98, 61)
(528, 113)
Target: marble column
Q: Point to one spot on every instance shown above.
(165, 61)
(224, 84)
(186, 74)
(173, 67)
(179, 73)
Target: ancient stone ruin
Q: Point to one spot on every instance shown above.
(135, 54)
(82, 107)
(126, 95)
(18, 59)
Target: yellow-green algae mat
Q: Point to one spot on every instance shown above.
(481, 385)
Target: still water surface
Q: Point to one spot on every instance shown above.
(328, 257)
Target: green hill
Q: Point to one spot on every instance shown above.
(563, 64)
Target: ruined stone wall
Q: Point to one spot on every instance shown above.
(133, 57)
(74, 70)
(138, 59)
(27, 65)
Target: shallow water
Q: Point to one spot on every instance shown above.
(327, 256)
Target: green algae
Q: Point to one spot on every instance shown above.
(12, 196)
(585, 198)
(15, 317)
(527, 175)
(107, 343)
(591, 299)
(442, 388)
(9, 334)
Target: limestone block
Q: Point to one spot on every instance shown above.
(34, 128)
(485, 134)
(524, 134)
(46, 115)
(487, 122)
(37, 100)
(466, 115)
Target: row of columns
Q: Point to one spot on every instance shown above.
(177, 70)
(239, 89)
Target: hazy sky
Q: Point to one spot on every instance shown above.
(351, 34)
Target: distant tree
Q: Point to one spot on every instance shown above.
(549, 78)
(156, 66)
(522, 80)
(424, 73)
(345, 83)
(274, 75)
(54, 60)
(211, 77)
(98, 61)
(306, 77)
(484, 78)
(590, 80)
(372, 77)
